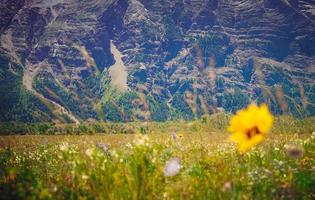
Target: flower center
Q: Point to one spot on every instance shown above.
(252, 132)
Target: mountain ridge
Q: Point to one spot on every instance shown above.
(183, 58)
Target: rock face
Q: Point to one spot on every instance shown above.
(183, 58)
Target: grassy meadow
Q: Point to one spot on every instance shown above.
(171, 160)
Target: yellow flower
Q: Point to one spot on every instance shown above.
(250, 126)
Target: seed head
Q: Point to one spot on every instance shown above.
(172, 167)
(294, 151)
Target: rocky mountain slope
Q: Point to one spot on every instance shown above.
(123, 60)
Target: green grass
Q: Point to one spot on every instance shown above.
(73, 167)
(214, 123)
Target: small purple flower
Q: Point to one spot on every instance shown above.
(103, 147)
(172, 167)
(174, 136)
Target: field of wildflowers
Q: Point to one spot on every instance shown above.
(166, 163)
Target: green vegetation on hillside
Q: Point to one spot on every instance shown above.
(16, 103)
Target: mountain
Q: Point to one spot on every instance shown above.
(125, 60)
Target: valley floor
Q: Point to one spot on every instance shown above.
(203, 165)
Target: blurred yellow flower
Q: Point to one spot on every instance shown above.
(250, 126)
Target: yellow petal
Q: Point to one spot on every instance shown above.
(245, 146)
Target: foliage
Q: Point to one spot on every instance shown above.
(298, 105)
(16, 103)
(7, 128)
(50, 88)
(216, 45)
(182, 109)
(235, 100)
(159, 109)
(217, 122)
(69, 167)
(117, 105)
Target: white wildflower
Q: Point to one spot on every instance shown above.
(114, 153)
(89, 152)
(128, 145)
(64, 147)
(85, 177)
(141, 140)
